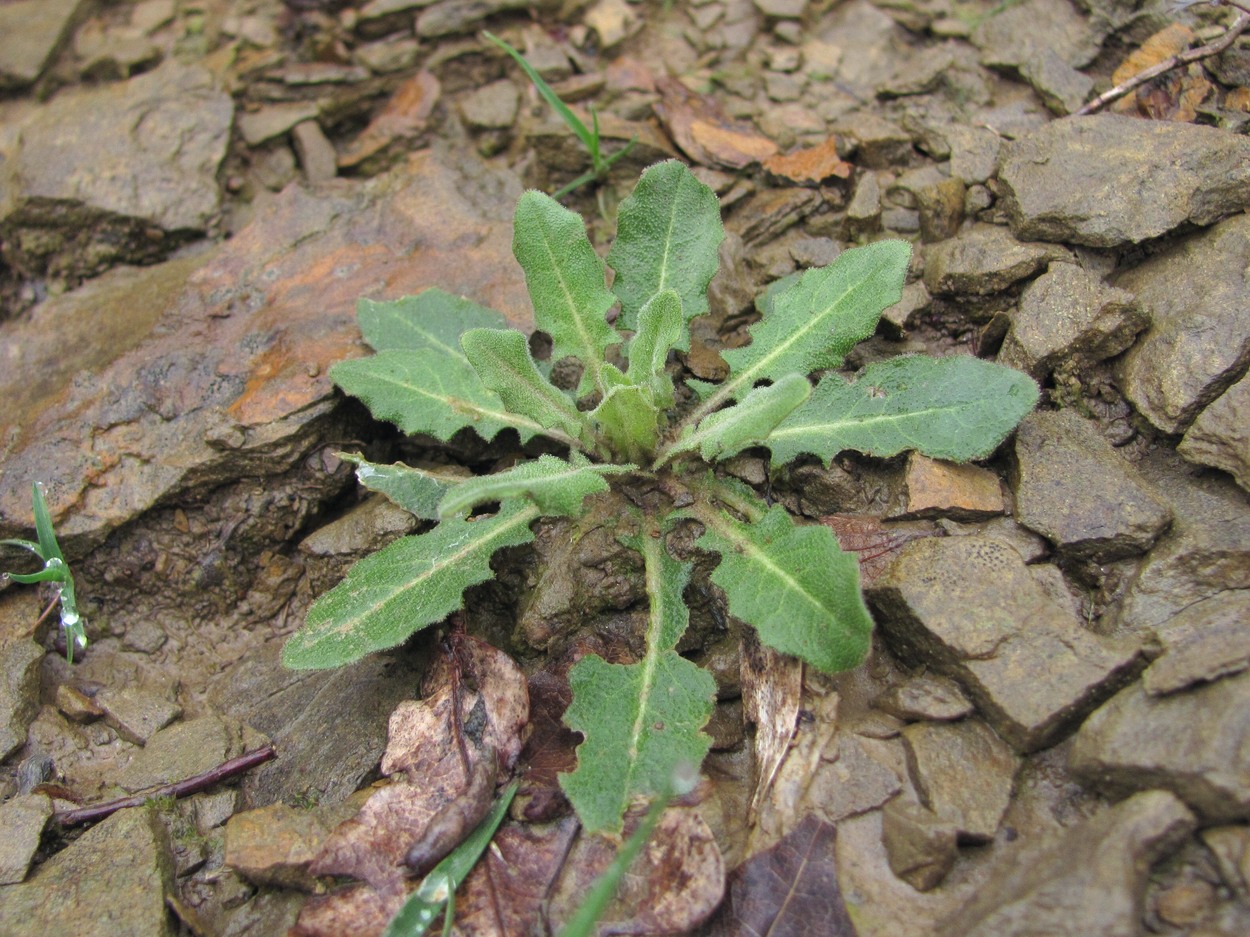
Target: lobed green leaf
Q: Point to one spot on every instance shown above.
(818, 318)
(660, 327)
(415, 490)
(794, 584)
(565, 278)
(503, 363)
(555, 486)
(423, 391)
(668, 231)
(729, 431)
(956, 408)
(409, 585)
(431, 319)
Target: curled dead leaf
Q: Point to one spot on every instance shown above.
(810, 166)
(704, 133)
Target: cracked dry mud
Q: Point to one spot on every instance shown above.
(1049, 734)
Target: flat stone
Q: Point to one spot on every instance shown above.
(389, 57)
(19, 692)
(123, 171)
(31, 31)
(1203, 642)
(315, 151)
(974, 152)
(136, 714)
(185, 383)
(851, 784)
(451, 17)
(1079, 493)
(963, 772)
(863, 212)
(1206, 552)
(274, 120)
(941, 207)
(983, 260)
(274, 845)
(492, 106)
(22, 818)
(1199, 342)
(1068, 319)
(182, 750)
(111, 880)
(1190, 743)
(1107, 180)
(926, 696)
(932, 488)
(880, 144)
(76, 706)
(922, 847)
(1094, 873)
(1061, 87)
(113, 53)
(782, 9)
(968, 607)
(1220, 436)
(1015, 35)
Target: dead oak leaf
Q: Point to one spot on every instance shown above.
(810, 166)
(702, 131)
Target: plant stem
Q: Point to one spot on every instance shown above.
(1172, 62)
(183, 788)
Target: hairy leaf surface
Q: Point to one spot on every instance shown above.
(815, 321)
(629, 419)
(643, 720)
(503, 362)
(415, 490)
(404, 587)
(793, 583)
(566, 281)
(659, 330)
(431, 319)
(729, 431)
(555, 486)
(423, 391)
(956, 408)
(667, 235)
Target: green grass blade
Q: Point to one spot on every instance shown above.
(589, 139)
(439, 886)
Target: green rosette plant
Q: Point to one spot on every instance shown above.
(444, 364)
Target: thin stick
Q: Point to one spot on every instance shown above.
(1171, 62)
(184, 788)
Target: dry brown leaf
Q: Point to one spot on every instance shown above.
(772, 686)
(1171, 40)
(811, 166)
(1238, 100)
(876, 546)
(674, 885)
(704, 133)
(1173, 95)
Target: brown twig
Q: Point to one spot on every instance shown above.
(183, 788)
(1171, 62)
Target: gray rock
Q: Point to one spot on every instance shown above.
(135, 713)
(1094, 874)
(111, 880)
(782, 9)
(113, 53)
(974, 152)
(1199, 341)
(1074, 489)
(31, 31)
(492, 106)
(1061, 87)
(120, 172)
(921, 846)
(925, 697)
(267, 913)
(1023, 32)
(22, 818)
(1107, 180)
(389, 57)
(274, 120)
(984, 259)
(190, 383)
(852, 783)
(315, 151)
(880, 144)
(1231, 846)
(1203, 642)
(330, 726)
(964, 773)
(1190, 743)
(863, 212)
(969, 608)
(19, 692)
(1220, 436)
(1069, 319)
(1206, 552)
(451, 17)
(181, 751)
